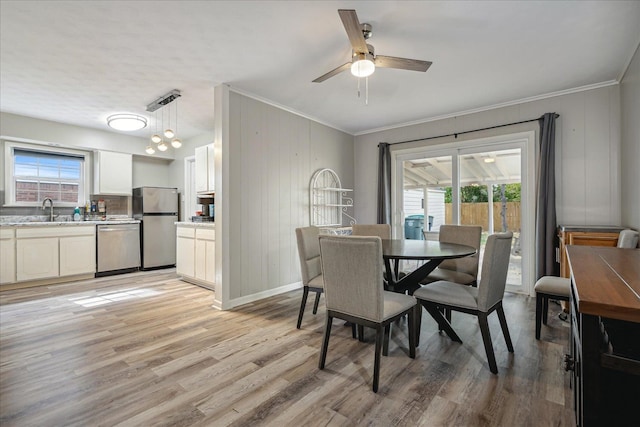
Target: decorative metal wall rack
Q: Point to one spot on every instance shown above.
(328, 200)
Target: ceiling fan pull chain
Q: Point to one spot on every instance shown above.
(358, 87)
(366, 91)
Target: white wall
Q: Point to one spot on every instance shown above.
(630, 164)
(587, 151)
(266, 160)
(147, 170)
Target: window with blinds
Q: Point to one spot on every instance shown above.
(41, 174)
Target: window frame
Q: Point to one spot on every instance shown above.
(9, 163)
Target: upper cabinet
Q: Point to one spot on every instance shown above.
(205, 176)
(112, 173)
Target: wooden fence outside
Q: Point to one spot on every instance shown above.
(478, 214)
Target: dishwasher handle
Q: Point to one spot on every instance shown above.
(103, 229)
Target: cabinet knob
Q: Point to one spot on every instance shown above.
(569, 363)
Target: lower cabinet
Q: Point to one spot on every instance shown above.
(205, 255)
(185, 251)
(195, 257)
(57, 251)
(77, 255)
(37, 258)
(8, 256)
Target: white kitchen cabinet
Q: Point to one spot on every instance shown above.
(205, 176)
(36, 258)
(185, 251)
(55, 251)
(112, 173)
(78, 253)
(8, 256)
(195, 260)
(205, 255)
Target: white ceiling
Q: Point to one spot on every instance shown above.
(78, 62)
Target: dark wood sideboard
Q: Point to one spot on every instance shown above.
(605, 335)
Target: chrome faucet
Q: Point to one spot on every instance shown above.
(44, 202)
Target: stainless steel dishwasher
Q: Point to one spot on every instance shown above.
(118, 248)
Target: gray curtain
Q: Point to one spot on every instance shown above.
(384, 184)
(546, 233)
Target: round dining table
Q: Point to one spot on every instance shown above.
(432, 252)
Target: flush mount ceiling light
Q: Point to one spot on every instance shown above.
(126, 122)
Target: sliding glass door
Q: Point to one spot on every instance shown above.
(483, 183)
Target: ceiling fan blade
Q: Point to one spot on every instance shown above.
(401, 63)
(354, 30)
(333, 72)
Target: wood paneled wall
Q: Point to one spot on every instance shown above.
(272, 154)
(587, 151)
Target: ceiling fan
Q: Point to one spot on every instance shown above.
(364, 60)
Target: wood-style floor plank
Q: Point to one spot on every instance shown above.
(148, 349)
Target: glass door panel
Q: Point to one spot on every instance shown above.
(490, 196)
(485, 183)
(425, 190)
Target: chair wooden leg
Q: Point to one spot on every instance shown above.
(376, 362)
(545, 309)
(486, 338)
(360, 333)
(305, 293)
(316, 302)
(505, 328)
(412, 330)
(354, 335)
(385, 342)
(418, 320)
(325, 342)
(539, 305)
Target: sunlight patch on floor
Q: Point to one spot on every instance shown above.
(110, 297)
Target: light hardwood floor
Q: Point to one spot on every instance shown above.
(148, 349)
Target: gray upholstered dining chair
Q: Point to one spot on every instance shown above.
(383, 231)
(463, 271)
(354, 292)
(628, 239)
(480, 301)
(310, 268)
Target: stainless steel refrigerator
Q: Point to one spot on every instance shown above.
(157, 208)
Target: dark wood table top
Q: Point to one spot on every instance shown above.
(606, 281)
(423, 250)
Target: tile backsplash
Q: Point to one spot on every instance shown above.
(116, 205)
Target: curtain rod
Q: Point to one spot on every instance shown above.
(469, 131)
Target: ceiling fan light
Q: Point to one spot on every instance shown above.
(150, 149)
(362, 67)
(163, 146)
(126, 122)
(156, 139)
(176, 143)
(169, 133)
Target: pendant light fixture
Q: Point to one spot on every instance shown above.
(175, 142)
(155, 138)
(168, 133)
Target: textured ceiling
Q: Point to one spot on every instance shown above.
(78, 62)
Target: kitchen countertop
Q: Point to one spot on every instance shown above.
(68, 223)
(196, 224)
